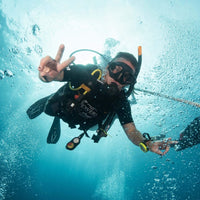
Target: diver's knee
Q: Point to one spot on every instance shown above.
(51, 109)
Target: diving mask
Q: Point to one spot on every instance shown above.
(121, 73)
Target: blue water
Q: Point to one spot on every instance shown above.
(114, 169)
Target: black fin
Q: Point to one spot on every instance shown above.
(37, 108)
(54, 133)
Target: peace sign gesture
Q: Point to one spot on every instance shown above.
(50, 69)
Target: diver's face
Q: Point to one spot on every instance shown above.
(109, 80)
(121, 75)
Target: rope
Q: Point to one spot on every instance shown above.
(169, 97)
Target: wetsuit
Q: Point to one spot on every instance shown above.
(89, 109)
(190, 136)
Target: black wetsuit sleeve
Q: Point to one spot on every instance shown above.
(123, 109)
(77, 72)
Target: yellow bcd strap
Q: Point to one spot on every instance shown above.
(83, 86)
(97, 70)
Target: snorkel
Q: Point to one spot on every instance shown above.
(139, 63)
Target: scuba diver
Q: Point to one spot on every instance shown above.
(91, 97)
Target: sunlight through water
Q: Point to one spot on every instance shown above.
(169, 34)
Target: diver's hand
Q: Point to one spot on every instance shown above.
(158, 146)
(51, 69)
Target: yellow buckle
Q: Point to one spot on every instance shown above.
(86, 88)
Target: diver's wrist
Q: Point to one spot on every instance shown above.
(149, 144)
(146, 144)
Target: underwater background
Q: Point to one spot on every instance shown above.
(113, 169)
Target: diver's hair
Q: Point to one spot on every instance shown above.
(131, 58)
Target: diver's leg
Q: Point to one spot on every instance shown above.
(37, 108)
(52, 108)
(54, 105)
(190, 136)
(50, 105)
